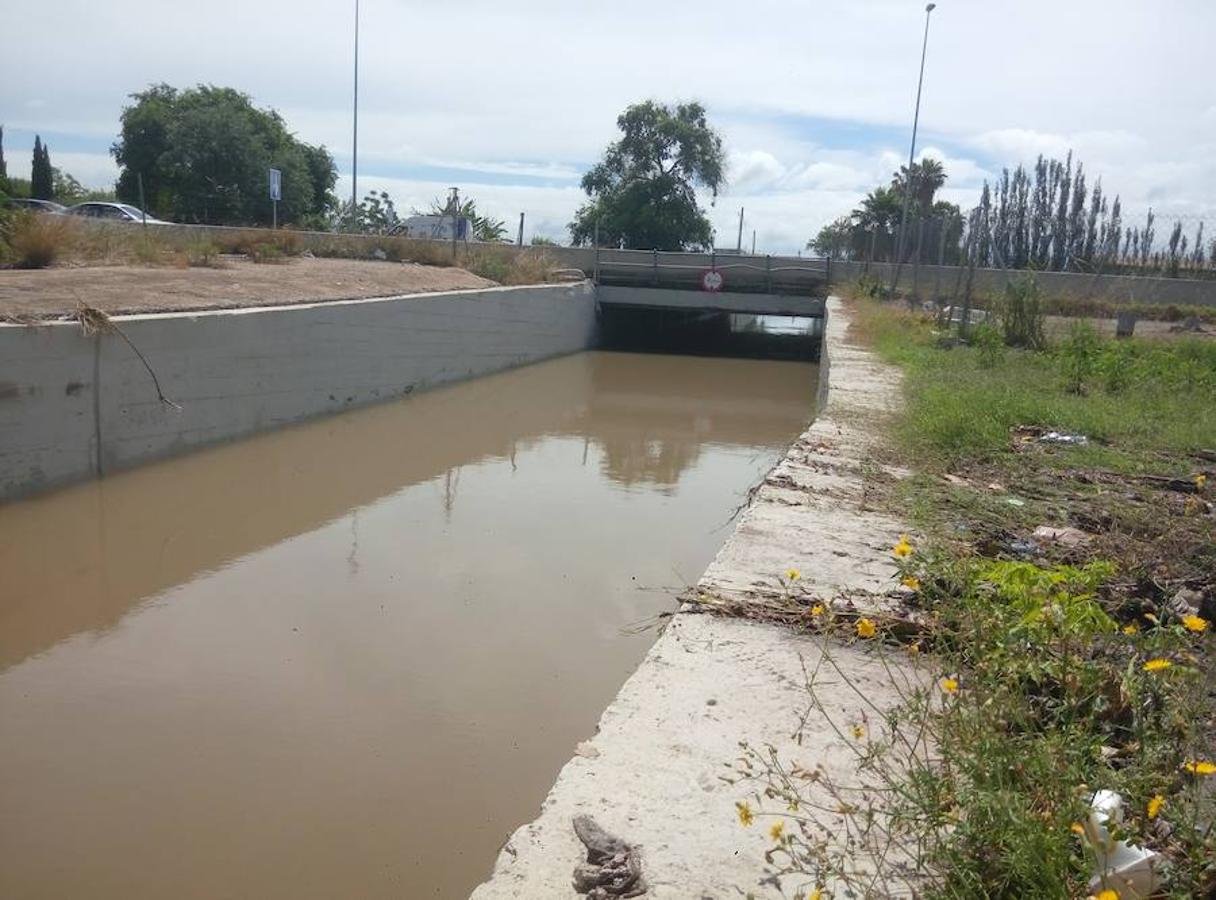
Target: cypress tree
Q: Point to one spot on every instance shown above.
(42, 181)
(5, 187)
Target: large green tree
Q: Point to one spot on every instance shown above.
(42, 177)
(643, 193)
(204, 154)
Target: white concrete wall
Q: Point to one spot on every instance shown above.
(73, 407)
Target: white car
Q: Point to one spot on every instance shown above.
(113, 212)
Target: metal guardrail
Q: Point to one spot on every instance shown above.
(685, 271)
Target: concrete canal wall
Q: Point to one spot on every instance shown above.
(74, 406)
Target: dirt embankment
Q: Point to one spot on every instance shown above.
(51, 293)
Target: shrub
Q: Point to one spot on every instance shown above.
(1022, 314)
(1079, 356)
(37, 240)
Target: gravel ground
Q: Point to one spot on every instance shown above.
(51, 293)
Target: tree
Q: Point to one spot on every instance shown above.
(835, 240)
(485, 228)
(204, 153)
(42, 179)
(643, 193)
(5, 187)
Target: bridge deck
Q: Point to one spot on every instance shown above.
(738, 274)
(707, 301)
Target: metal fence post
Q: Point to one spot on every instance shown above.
(768, 273)
(655, 274)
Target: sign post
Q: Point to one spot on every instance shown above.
(276, 194)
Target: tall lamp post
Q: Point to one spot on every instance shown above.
(903, 224)
(354, 155)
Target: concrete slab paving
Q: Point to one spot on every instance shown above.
(652, 774)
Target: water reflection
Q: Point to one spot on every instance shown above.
(298, 664)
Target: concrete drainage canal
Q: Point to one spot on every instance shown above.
(348, 657)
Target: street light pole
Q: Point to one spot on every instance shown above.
(903, 224)
(354, 155)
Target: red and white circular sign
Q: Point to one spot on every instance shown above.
(712, 280)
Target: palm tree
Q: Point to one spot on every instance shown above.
(926, 178)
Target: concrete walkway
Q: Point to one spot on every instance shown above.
(652, 775)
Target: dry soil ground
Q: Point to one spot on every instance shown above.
(52, 293)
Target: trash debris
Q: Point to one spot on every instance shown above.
(1015, 501)
(1063, 437)
(1022, 548)
(379, 254)
(587, 750)
(613, 868)
(1131, 870)
(1065, 537)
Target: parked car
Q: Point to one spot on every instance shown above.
(46, 206)
(114, 212)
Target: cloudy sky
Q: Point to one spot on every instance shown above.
(512, 101)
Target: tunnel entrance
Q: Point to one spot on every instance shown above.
(702, 332)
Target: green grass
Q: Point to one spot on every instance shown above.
(1133, 399)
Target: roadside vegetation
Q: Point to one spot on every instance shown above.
(34, 241)
(1058, 606)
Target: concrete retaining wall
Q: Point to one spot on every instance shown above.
(937, 281)
(73, 406)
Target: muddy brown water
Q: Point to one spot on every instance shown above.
(346, 659)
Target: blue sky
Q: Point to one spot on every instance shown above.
(512, 102)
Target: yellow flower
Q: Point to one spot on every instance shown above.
(911, 582)
(1107, 894)
(914, 649)
(1201, 480)
(816, 895)
(817, 609)
(745, 813)
(865, 628)
(793, 574)
(1131, 628)
(1154, 805)
(903, 549)
(1196, 624)
(859, 732)
(1200, 767)
(949, 685)
(777, 831)
(1156, 665)
(1077, 828)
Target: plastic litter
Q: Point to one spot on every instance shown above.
(1132, 871)
(1063, 437)
(1065, 536)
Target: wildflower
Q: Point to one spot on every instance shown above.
(793, 574)
(816, 895)
(865, 628)
(1201, 480)
(1107, 894)
(903, 549)
(949, 685)
(1157, 665)
(777, 831)
(1196, 624)
(914, 649)
(817, 609)
(1131, 628)
(911, 582)
(859, 732)
(1077, 828)
(1200, 767)
(1154, 805)
(745, 813)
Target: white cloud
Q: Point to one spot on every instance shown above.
(814, 99)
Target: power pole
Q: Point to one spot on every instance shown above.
(455, 217)
(354, 153)
(903, 225)
(520, 242)
(739, 245)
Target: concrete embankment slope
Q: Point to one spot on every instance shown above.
(651, 774)
(74, 405)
